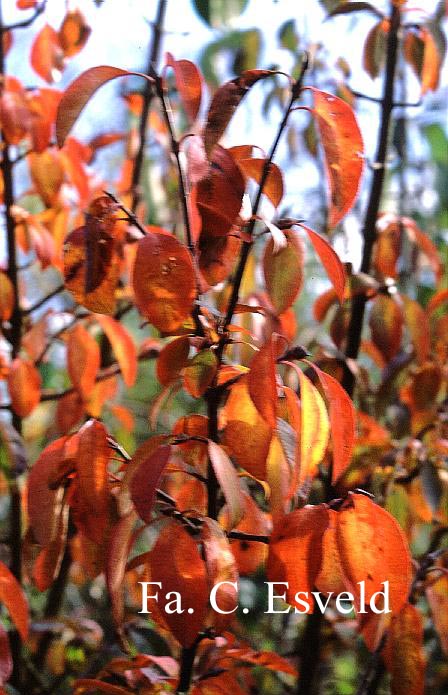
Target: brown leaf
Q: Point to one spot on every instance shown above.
(386, 325)
(145, 480)
(374, 52)
(417, 323)
(6, 664)
(228, 480)
(404, 654)
(225, 102)
(118, 548)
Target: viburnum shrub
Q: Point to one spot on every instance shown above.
(271, 471)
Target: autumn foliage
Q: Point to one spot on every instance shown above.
(260, 458)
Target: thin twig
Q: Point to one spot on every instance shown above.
(44, 300)
(369, 229)
(148, 96)
(25, 22)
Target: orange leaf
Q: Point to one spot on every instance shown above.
(48, 562)
(330, 577)
(283, 271)
(7, 296)
(175, 562)
(93, 685)
(83, 360)
(426, 246)
(24, 384)
(93, 480)
(225, 102)
(145, 480)
(246, 434)
(73, 33)
(80, 91)
(47, 55)
(172, 359)
(373, 550)
(330, 260)
(164, 281)
(386, 325)
(262, 382)
(189, 83)
(295, 550)
(47, 174)
(228, 480)
(273, 187)
(221, 567)
(436, 301)
(342, 421)
(249, 556)
(437, 595)
(12, 595)
(314, 427)
(417, 322)
(122, 345)
(343, 147)
(403, 653)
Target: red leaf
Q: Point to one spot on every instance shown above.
(122, 345)
(262, 382)
(344, 149)
(164, 281)
(145, 480)
(6, 664)
(73, 33)
(80, 91)
(12, 595)
(189, 83)
(330, 260)
(83, 360)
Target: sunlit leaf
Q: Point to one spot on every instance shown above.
(262, 381)
(330, 577)
(421, 52)
(342, 422)
(404, 654)
(343, 148)
(7, 296)
(373, 550)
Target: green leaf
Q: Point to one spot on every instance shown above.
(244, 47)
(216, 13)
(288, 36)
